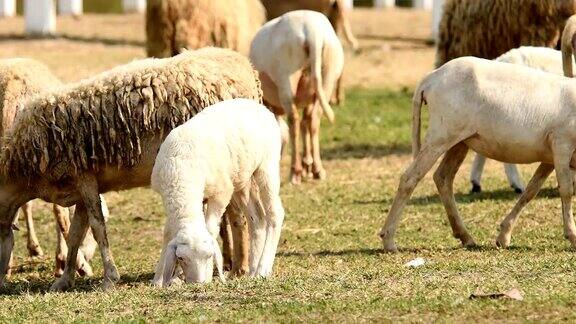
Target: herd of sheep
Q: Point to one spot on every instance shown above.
(183, 122)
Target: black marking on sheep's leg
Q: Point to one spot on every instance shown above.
(517, 190)
(476, 188)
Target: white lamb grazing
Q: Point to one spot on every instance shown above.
(506, 112)
(228, 152)
(542, 58)
(300, 60)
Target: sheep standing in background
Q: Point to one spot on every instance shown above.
(333, 9)
(568, 45)
(540, 58)
(21, 79)
(214, 158)
(299, 59)
(174, 25)
(506, 112)
(103, 134)
(490, 28)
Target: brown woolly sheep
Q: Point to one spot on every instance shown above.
(21, 79)
(568, 45)
(103, 134)
(174, 25)
(489, 28)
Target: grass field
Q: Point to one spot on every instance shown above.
(329, 265)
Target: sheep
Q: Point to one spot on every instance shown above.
(299, 59)
(568, 45)
(214, 158)
(174, 25)
(506, 112)
(541, 58)
(333, 9)
(489, 28)
(20, 79)
(103, 134)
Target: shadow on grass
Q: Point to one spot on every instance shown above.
(466, 198)
(359, 151)
(75, 38)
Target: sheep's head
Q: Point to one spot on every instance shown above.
(194, 252)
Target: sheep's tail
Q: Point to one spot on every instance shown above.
(316, 46)
(417, 101)
(568, 42)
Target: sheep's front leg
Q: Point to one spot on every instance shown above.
(268, 180)
(476, 172)
(227, 241)
(514, 178)
(78, 230)
(240, 239)
(562, 156)
(507, 225)
(33, 244)
(88, 187)
(214, 210)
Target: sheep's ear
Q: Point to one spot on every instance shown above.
(169, 264)
(218, 261)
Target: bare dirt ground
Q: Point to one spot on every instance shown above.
(393, 46)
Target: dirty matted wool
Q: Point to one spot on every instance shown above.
(103, 121)
(489, 28)
(21, 79)
(174, 25)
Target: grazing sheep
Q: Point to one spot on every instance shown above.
(333, 9)
(103, 134)
(489, 28)
(174, 25)
(21, 79)
(541, 58)
(215, 158)
(568, 45)
(299, 58)
(505, 112)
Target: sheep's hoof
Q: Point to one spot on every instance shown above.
(62, 284)
(34, 250)
(503, 241)
(476, 188)
(320, 174)
(296, 179)
(85, 270)
(239, 272)
(390, 246)
(107, 284)
(571, 238)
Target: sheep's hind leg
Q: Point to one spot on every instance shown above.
(306, 129)
(33, 244)
(226, 236)
(424, 161)
(317, 169)
(444, 179)
(256, 225)
(507, 225)
(78, 230)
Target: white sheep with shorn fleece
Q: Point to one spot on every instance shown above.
(216, 157)
(299, 59)
(506, 112)
(102, 134)
(542, 58)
